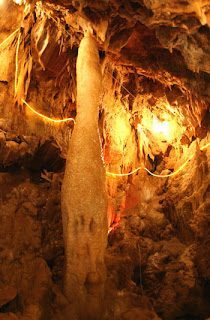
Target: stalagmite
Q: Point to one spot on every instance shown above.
(84, 206)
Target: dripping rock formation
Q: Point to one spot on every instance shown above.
(78, 241)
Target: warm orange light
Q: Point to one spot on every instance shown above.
(16, 62)
(114, 225)
(45, 117)
(180, 168)
(8, 38)
(121, 128)
(123, 174)
(161, 127)
(205, 147)
(168, 130)
(20, 2)
(158, 175)
(22, 100)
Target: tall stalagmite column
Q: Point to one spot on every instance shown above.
(84, 206)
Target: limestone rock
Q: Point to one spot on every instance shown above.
(10, 153)
(138, 313)
(7, 293)
(2, 141)
(8, 316)
(155, 60)
(3, 125)
(48, 156)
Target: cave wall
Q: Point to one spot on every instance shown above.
(155, 59)
(158, 251)
(158, 248)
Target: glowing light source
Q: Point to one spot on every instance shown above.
(119, 174)
(22, 100)
(158, 175)
(161, 127)
(8, 38)
(20, 2)
(120, 128)
(16, 62)
(123, 174)
(45, 117)
(113, 226)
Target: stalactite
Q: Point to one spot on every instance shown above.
(84, 206)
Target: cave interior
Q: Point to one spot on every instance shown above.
(146, 165)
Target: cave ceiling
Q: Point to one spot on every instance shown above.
(164, 40)
(154, 54)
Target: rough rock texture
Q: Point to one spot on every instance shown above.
(159, 251)
(32, 253)
(166, 42)
(84, 206)
(155, 61)
(156, 248)
(26, 281)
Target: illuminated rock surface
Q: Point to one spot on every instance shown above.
(155, 61)
(84, 205)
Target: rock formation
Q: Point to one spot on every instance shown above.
(153, 114)
(84, 205)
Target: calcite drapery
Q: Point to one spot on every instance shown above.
(84, 204)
